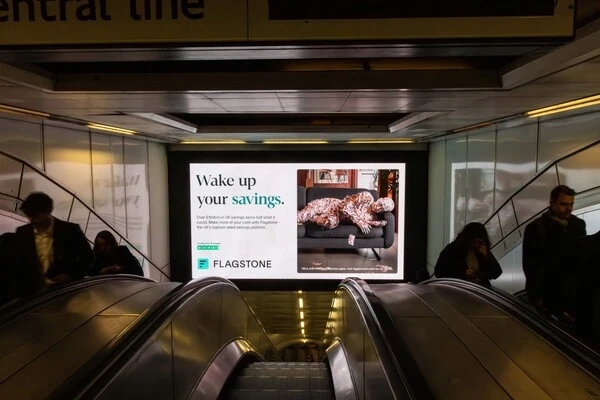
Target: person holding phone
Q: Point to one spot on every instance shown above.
(469, 257)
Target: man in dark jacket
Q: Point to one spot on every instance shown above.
(7, 276)
(50, 251)
(550, 255)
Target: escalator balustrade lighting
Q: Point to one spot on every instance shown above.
(301, 314)
(22, 111)
(301, 302)
(108, 128)
(567, 106)
(303, 334)
(301, 324)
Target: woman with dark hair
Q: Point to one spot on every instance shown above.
(112, 258)
(469, 257)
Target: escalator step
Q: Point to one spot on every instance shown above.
(285, 372)
(278, 383)
(277, 395)
(270, 365)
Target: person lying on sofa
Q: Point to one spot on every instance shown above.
(359, 209)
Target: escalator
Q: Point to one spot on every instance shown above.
(127, 338)
(56, 340)
(546, 327)
(466, 344)
(208, 344)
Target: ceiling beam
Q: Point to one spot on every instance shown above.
(274, 81)
(274, 52)
(25, 77)
(585, 47)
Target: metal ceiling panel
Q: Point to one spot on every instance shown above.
(313, 104)
(250, 105)
(316, 93)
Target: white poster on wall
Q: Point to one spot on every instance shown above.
(274, 221)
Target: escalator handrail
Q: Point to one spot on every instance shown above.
(15, 309)
(395, 374)
(124, 350)
(571, 347)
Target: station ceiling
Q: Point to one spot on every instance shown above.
(418, 91)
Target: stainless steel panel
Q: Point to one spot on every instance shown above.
(139, 302)
(449, 368)
(148, 377)
(216, 374)
(33, 334)
(195, 340)
(353, 338)
(340, 371)
(233, 316)
(40, 378)
(94, 299)
(376, 384)
(468, 304)
(406, 304)
(513, 380)
(554, 373)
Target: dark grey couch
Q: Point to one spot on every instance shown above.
(313, 236)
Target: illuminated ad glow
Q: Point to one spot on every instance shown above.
(297, 221)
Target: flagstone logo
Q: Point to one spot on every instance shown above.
(203, 263)
(207, 246)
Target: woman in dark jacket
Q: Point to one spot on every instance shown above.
(110, 258)
(469, 257)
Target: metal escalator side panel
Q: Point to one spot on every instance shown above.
(572, 348)
(343, 383)
(18, 307)
(183, 337)
(464, 338)
(220, 368)
(398, 348)
(96, 316)
(353, 320)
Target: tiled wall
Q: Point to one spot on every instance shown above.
(113, 174)
(473, 175)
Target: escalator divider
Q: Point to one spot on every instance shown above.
(399, 352)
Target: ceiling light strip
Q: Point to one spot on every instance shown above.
(381, 141)
(109, 128)
(473, 127)
(24, 111)
(232, 141)
(569, 105)
(281, 141)
(533, 114)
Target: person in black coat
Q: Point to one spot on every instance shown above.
(469, 257)
(48, 251)
(551, 255)
(7, 268)
(112, 258)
